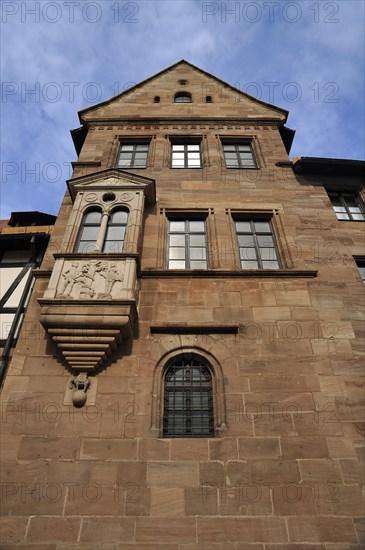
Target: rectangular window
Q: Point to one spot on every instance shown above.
(256, 244)
(347, 206)
(238, 154)
(185, 154)
(133, 155)
(187, 244)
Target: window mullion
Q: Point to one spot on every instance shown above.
(187, 247)
(102, 232)
(344, 203)
(257, 250)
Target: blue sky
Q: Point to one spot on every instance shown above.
(305, 56)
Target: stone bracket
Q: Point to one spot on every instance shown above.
(88, 332)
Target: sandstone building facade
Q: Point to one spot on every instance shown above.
(195, 375)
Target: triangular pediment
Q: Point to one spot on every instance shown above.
(113, 178)
(227, 102)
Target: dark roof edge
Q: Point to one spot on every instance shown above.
(329, 166)
(287, 135)
(78, 137)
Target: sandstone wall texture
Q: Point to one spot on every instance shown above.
(285, 468)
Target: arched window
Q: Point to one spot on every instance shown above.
(89, 231)
(182, 97)
(188, 400)
(115, 233)
(100, 233)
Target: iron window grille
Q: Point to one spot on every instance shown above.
(238, 155)
(188, 400)
(256, 244)
(185, 155)
(187, 244)
(347, 206)
(133, 155)
(91, 233)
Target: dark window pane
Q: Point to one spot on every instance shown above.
(177, 253)
(358, 217)
(177, 240)
(270, 265)
(265, 241)
(89, 233)
(113, 247)
(244, 227)
(93, 217)
(268, 253)
(197, 240)
(174, 264)
(248, 253)
(177, 226)
(198, 253)
(196, 264)
(246, 240)
(119, 217)
(115, 234)
(245, 264)
(197, 226)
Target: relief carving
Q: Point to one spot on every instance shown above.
(89, 280)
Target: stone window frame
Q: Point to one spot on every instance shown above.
(104, 225)
(251, 140)
(187, 248)
(134, 140)
(189, 389)
(93, 199)
(184, 213)
(342, 196)
(158, 387)
(256, 234)
(283, 248)
(185, 141)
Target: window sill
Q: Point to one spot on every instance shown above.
(355, 221)
(126, 168)
(243, 168)
(209, 273)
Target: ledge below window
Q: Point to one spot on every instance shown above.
(307, 273)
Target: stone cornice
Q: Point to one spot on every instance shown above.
(216, 273)
(156, 123)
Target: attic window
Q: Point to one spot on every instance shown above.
(183, 82)
(156, 99)
(182, 97)
(209, 99)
